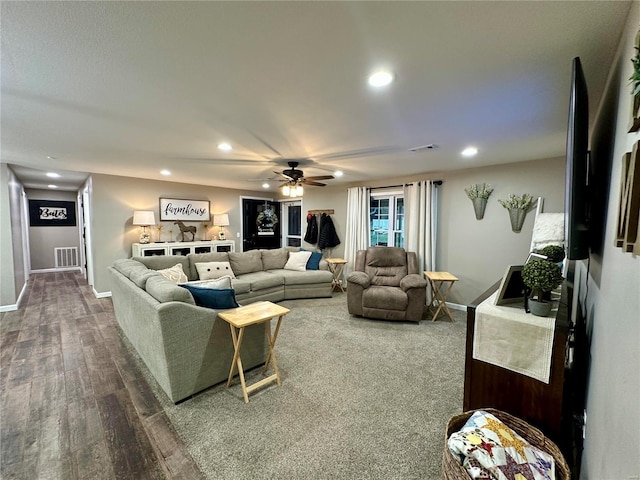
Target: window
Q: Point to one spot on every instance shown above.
(292, 224)
(386, 219)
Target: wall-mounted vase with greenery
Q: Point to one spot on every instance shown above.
(541, 276)
(517, 205)
(479, 193)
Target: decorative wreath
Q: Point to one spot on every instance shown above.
(267, 217)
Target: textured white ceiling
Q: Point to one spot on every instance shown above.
(128, 88)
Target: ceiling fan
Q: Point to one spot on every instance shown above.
(294, 177)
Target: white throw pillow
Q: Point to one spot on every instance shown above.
(218, 283)
(297, 261)
(175, 274)
(212, 270)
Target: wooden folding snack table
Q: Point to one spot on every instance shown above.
(241, 317)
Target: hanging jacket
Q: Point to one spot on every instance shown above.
(312, 230)
(327, 237)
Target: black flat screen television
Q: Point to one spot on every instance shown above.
(577, 196)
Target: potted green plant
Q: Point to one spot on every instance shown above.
(541, 276)
(479, 193)
(517, 205)
(554, 253)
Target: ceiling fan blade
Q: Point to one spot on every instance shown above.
(287, 177)
(306, 181)
(320, 177)
(362, 152)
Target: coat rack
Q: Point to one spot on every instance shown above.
(320, 212)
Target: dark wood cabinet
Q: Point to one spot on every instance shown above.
(553, 408)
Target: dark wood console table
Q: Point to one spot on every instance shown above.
(549, 407)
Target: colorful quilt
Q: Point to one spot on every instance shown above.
(489, 449)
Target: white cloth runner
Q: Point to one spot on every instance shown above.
(509, 337)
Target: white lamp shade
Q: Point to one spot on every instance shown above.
(144, 218)
(221, 220)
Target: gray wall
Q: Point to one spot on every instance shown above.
(115, 198)
(612, 301)
(12, 277)
(43, 240)
(476, 251)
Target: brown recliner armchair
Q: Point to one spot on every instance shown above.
(386, 284)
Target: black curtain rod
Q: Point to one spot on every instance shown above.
(435, 182)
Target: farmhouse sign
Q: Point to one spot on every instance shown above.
(188, 210)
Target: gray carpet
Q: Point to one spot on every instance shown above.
(360, 398)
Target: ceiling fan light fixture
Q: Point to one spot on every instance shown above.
(225, 147)
(286, 190)
(381, 78)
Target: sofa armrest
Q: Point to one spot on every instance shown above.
(359, 278)
(413, 281)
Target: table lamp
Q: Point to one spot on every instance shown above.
(144, 219)
(221, 220)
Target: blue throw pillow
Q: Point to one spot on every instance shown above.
(218, 298)
(314, 260)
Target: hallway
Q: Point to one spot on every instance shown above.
(73, 403)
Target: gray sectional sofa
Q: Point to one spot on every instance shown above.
(185, 346)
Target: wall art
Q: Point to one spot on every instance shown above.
(52, 213)
(187, 210)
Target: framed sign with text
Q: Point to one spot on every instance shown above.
(52, 213)
(187, 210)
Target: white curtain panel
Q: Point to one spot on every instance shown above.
(420, 227)
(357, 232)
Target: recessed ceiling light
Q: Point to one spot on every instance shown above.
(50, 157)
(380, 78)
(265, 185)
(53, 175)
(225, 147)
(338, 173)
(469, 151)
(52, 186)
(165, 172)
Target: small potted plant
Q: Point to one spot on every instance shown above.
(541, 276)
(554, 253)
(518, 205)
(479, 193)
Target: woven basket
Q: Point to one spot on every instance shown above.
(452, 470)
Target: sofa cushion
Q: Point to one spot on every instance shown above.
(262, 280)
(175, 274)
(241, 285)
(140, 276)
(385, 298)
(127, 265)
(218, 298)
(203, 258)
(274, 259)
(246, 262)
(211, 270)
(297, 261)
(164, 290)
(308, 277)
(160, 262)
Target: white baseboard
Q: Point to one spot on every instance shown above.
(457, 306)
(101, 294)
(61, 269)
(14, 307)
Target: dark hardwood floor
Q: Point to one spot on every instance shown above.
(74, 405)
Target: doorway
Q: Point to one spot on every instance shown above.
(260, 224)
(291, 223)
